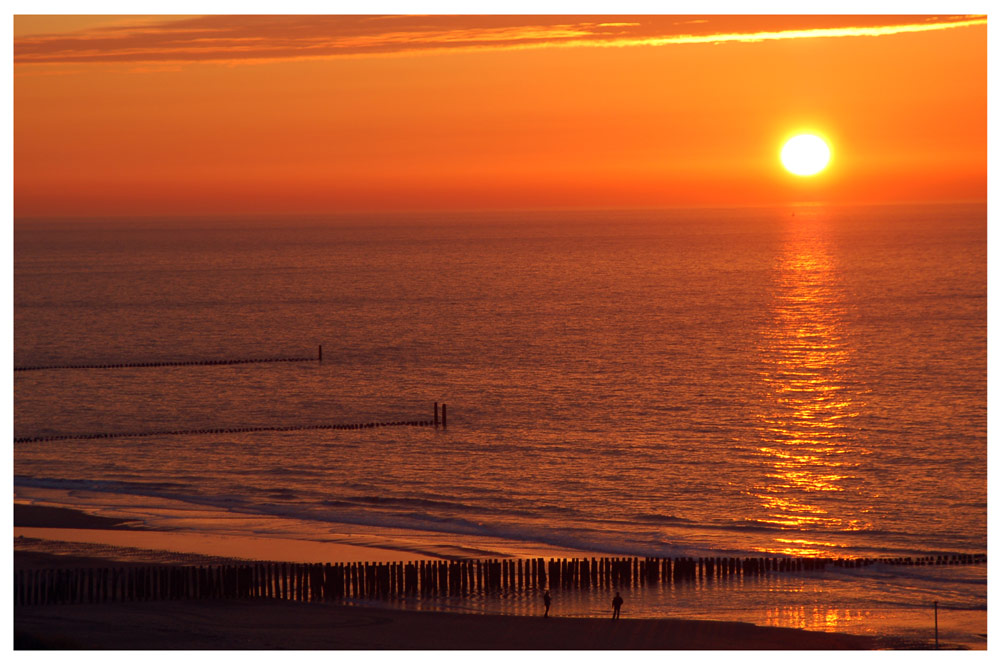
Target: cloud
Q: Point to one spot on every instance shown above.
(233, 38)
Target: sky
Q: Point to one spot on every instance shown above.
(193, 115)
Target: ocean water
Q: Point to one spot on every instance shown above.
(804, 380)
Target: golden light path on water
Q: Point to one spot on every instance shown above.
(806, 448)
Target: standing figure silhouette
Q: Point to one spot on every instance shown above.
(617, 604)
(547, 599)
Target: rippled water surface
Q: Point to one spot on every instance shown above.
(800, 380)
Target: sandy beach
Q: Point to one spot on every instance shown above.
(277, 624)
(287, 625)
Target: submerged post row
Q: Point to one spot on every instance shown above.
(224, 430)
(168, 363)
(237, 430)
(177, 363)
(329, 582)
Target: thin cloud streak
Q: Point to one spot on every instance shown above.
(234, 39)
(813, 33)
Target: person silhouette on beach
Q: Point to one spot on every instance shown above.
(547, 599)
(617, 604)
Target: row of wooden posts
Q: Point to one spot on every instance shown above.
(442, 422)
(167, 363)
(227, 430)
(329, 582)
(176, 363)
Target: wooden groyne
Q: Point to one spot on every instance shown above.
(226, 430)
(333, 582)
(238, 430)
(177, 363)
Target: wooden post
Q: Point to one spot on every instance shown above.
(321, 353)
(936, 646)
(444, 416)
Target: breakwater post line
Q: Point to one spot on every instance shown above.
(225, 430)
(176, 363)
(325, 582)
(233, 430)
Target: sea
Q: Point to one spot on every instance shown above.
(803, 380)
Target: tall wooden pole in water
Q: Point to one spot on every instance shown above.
(321, 353)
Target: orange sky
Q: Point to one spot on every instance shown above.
(231, 115)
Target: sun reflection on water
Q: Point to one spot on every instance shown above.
(816, 618)
(805, 446)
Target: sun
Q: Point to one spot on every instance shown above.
(805, 154)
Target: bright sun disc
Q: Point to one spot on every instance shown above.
(805, 154)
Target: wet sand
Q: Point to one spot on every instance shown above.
(65, 518)
(74, 533)
(277, 624)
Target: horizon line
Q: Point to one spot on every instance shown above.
(458, 211)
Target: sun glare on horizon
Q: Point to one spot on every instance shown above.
(805, 154)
